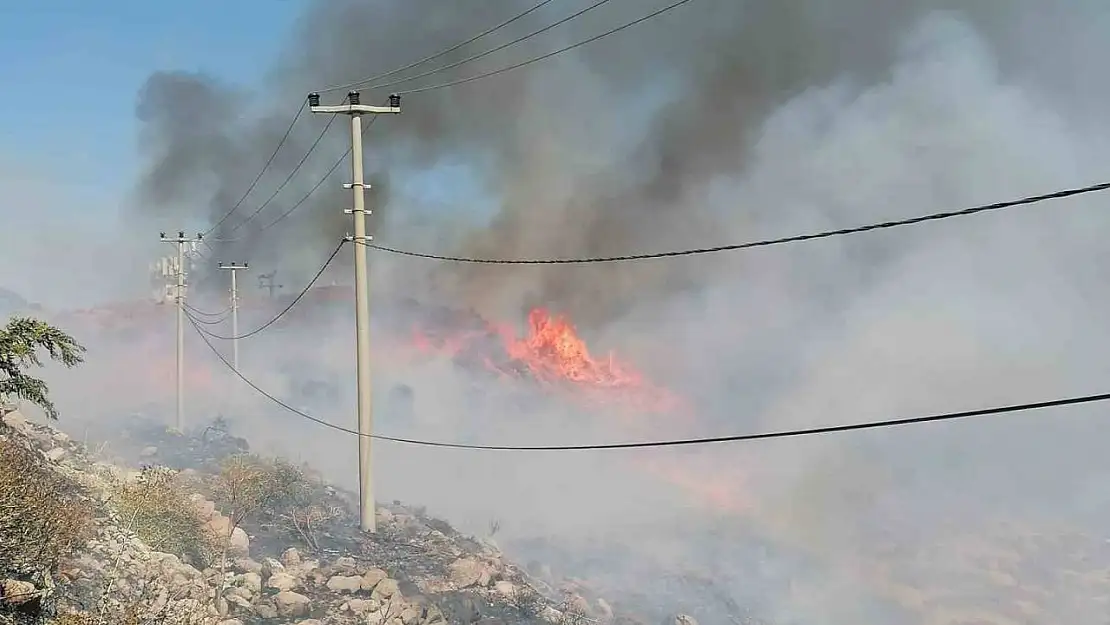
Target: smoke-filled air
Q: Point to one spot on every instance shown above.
(716, 123)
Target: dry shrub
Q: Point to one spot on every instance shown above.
(136, 613)
(252, 487)
(156, 506)
(528, 601)
(43, 516)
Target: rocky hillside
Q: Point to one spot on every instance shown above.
(206, 533)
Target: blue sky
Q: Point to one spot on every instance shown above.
(70, 75)
(72, 68)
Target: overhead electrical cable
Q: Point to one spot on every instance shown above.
(480, 55)
(537, 59)
(208, 314)
(281, 314)
(327, 174)
(211, 322)
(829, 429)
(437, 55)
(285, 183)
(1103, 186)
(269, 161)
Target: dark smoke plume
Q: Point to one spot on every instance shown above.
(554, 144)
(724, 122)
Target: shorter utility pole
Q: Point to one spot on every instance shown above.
(233, 268)
(179, 297)
(266, 281)
(355, 110)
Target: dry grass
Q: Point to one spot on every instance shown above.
(42, 514)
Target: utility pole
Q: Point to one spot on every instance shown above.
(355, 110)
(266, 281)
(233, 268)
(179, 297)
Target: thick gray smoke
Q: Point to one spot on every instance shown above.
(720, 122)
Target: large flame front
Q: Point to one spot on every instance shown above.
(552, 353)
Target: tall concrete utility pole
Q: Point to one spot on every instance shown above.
(355, 110)
(179, 298)
(233, 268)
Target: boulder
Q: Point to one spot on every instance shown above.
(291, 604)
(345, 583)
(291, 557)
(281, 581)
(466, 572)
(15, 592)
(252, 582)
(266, 610)
(386, 589)
(505, 589)
(238, 541)
(362, 606)
(371, 578)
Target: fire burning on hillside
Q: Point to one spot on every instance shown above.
(547, 352)
(552, 354)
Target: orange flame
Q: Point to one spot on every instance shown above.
(551, 352)
(554, 351)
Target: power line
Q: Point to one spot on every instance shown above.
(208, 314)
(475, 57)
(1102, 186)
(435, 56)
(324, 179)
(296, 205)
(829, 429)
(211, 322)
(269, 162)
(287, 308)
(287, 180)
(537, 59)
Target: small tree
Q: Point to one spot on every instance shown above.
(20, 341)
(249, 486)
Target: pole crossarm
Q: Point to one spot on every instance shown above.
(352, 109)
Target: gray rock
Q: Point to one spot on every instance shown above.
(386, 589)
(371, 578)
(291, 604)
(15, 592)
(281, 581)
(266, 610)
(291, 557)
(466, 572)
(251, 582)
(345, 583)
